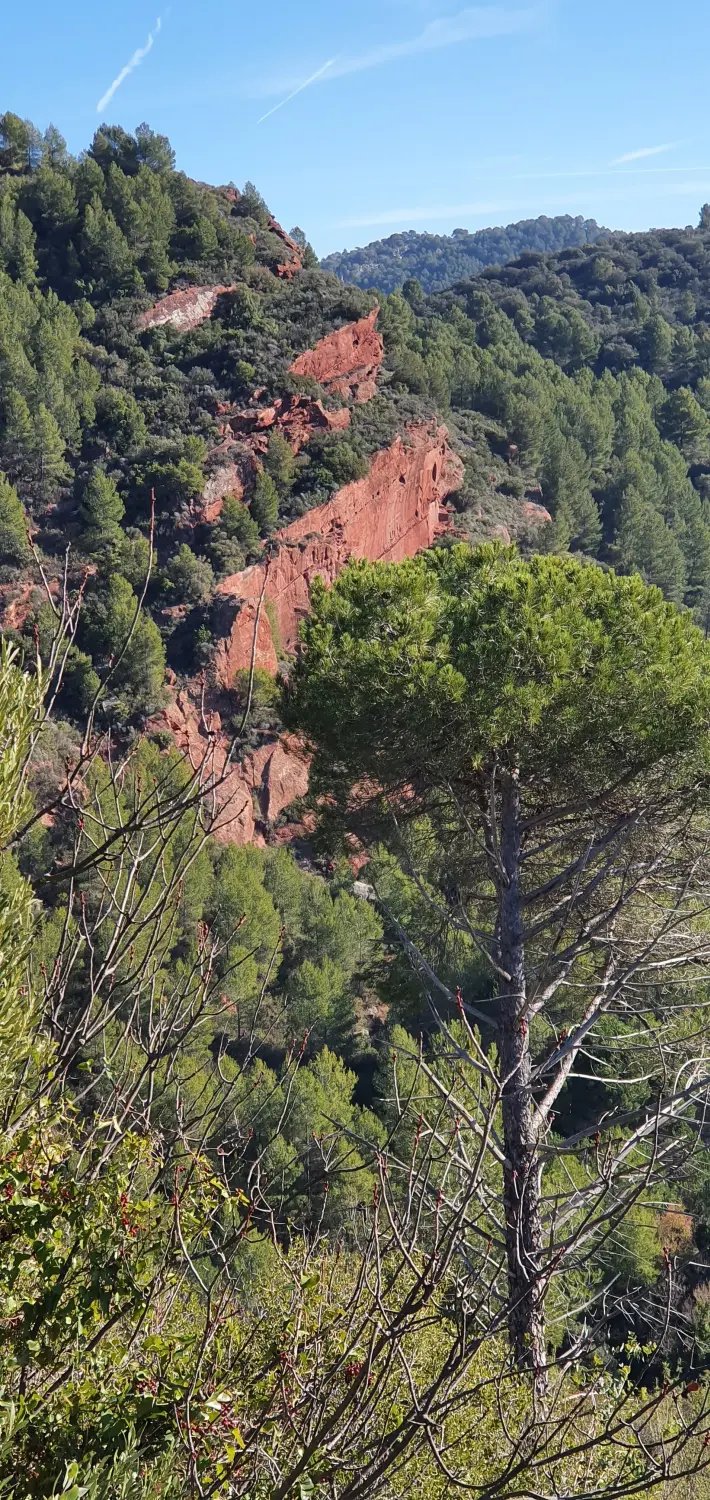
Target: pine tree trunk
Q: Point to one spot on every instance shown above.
(521, 1174)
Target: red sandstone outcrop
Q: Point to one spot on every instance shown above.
(394, 512)
(347, 361)
(20, 599)
(185, 309)
(294, 263)
(296, 417)
(264, 783)
(230, 476)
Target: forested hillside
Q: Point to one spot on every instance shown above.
(353, 1130)
(438, 260)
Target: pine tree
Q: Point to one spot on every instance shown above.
(154, 150)
(14, 544)
(17, 243)
(102, 510)
(656, 343)
(49, 470)
(280, 463)
(648, 546)
(14, 143)
(54, 146)
(265, 503)
(684, 422)
(16, 436)
(106, 252)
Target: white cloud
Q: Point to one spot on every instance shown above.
(133, 62)
(474, 24)
(637, 155)
(299, 90)
(482, 21)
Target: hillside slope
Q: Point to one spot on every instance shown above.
(436, 261)
(242, 1205)
(166, 349)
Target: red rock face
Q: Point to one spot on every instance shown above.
(185, 309)
(348, 361)
(18, 600)
(393, 513)
(296, 417)
(535, 515)
(266, 781)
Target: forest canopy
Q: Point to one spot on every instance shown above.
(438, 260)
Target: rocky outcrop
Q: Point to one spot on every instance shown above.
(231, 472)
(245, 440)
(534, 516)
(238, 795)
(295, 417)
(20, 599)
(185, 309)
(347, 362)
(394, 512)
(293, 262)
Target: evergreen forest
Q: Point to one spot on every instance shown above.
(370, 1155)
(438, 260)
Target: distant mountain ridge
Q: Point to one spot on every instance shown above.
(439, 260)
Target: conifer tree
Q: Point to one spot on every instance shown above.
(280, 463)
(265, 503)
(14, 545)
(102, 510)
(49, 470)
(16, 436)
(684, 422)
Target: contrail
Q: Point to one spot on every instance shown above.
(299, 90)
(137, 58)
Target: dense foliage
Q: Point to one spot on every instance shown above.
(250, 1241)
(438, 260)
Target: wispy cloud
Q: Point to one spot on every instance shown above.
(299, 90)
(471, 25)
(133, 62)
(638, 155)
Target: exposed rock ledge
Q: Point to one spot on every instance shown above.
(237, 794)
(394, 512)
(347, 362)
(391, 514)
(184, 309)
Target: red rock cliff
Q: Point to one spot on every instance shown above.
(348, 361)
(394, 512)
(391, 514)
(236, 794)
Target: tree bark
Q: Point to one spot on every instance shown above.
(523, 1223)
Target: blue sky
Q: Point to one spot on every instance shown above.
(425, 114)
